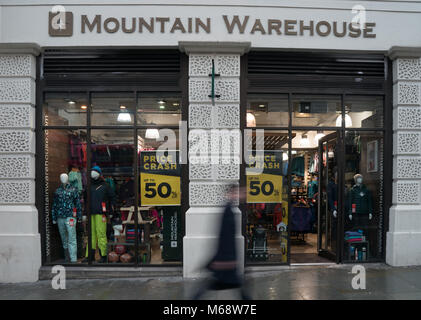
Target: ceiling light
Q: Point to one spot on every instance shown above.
(162, 106)
(124, 117)
(122, 107)
(251, 120)
(176, 104)
(348, 121)
(161, 101)
(152, 134)
(84, 107)
(261, 106)
(72, 102)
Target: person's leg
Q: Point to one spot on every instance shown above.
(71, 238)
(61, 223)
(205, 286)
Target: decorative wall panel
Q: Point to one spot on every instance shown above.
(407, 192)
(17, 192)
(408, 118)
(407, 69)
(16, 141)
(16, 166)
(17, 65)
(208, 194)
(16, 116)
(20, 90)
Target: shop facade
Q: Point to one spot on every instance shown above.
(329, 111)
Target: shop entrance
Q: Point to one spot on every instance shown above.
(314, 200)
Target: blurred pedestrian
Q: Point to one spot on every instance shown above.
(223, 266)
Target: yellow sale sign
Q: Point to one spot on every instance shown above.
(160, 183)
(264, 178)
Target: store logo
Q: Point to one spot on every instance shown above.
(60, 22)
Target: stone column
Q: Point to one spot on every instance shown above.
(403, 246)
(20, 248)
(216, 129)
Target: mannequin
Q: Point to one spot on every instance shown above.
(101, 206)
(65, 211)
(360, 205)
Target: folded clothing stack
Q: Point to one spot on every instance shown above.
(354, 236)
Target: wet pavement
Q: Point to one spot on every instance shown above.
(295, 282)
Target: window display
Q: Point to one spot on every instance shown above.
(97, 216)
(267, 199)
(363, 195)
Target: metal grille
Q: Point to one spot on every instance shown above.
(316, 70)
(111, 67)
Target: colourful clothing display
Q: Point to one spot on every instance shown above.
(75, 179)
(297, 166)
(66, 203)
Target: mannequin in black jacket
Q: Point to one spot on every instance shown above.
(102, 204)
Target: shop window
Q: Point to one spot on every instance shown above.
(267, 110)
(160, 216)
(65, 195)
(364, 111)
(65, 109)
(112, 195)
(159, 110)
(316, 111)
(364, 200)
(110, 108)
(267, 198)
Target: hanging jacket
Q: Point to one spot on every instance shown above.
(297, 166)
(360, 196)
(75, 179)
(101, 193)
(66, 199)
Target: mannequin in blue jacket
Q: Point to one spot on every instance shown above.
(66, 211)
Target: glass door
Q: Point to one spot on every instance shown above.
(329, 206)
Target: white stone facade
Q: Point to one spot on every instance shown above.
(404, 237)
(20, 247)
(214, 152)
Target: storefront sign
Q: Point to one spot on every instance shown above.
(235, 24)
(159, 179)
(264, 178)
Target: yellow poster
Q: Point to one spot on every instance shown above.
(160, 182)
(264, 178)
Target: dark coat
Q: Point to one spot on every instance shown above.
(101, 192)
(226, 252)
